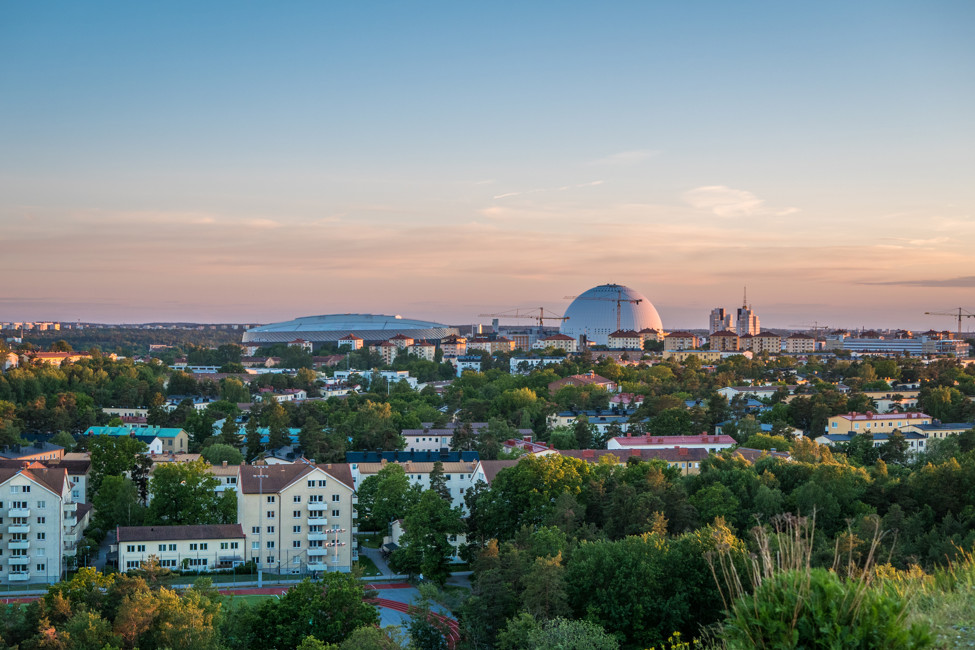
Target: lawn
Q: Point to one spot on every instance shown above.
(368, 567)
(370, 540)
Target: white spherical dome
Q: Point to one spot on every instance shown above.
(593, 313)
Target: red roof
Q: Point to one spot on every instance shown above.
(351, 337)
(625, 334)
(558, 337)
(798, 335)
(673, 441)
(725, 333)
(681, 335)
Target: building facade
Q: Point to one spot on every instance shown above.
(193, 548)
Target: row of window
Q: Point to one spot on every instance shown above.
(195, 546)
(23, 504)
(41, 568)
(20, 552)
(313, 498)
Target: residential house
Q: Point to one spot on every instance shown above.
(586, 379)
(557, 341)
(194, 548)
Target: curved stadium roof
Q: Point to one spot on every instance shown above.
(593, 313)
(332, 327)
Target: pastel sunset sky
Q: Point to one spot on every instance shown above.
(257, 161)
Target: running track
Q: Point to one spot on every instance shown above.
(453, 632)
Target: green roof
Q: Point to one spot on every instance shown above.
(158, 432)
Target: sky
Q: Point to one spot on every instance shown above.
(254, 162)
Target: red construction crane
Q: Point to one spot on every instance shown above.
(619, 300)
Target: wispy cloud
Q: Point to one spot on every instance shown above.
(964, 282)
(725, 201)
(539, 190)
(626, 158)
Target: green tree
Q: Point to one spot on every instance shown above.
(253, 442)
(229, 432)
(545, 596)
(425, 544)
(328, 609)
(63, 439)
(117, 503)
(184, 494)
(527, 633)
(112, 456)
(386, 497)
(438, 481)
(218, 453)
(670, 422)
(311, 438)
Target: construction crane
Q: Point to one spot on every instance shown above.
(518, 313)
(815, 327)
(961, 313)
(619, 300)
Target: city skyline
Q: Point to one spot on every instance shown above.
(243, 163)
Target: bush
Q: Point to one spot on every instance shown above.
(816, 608)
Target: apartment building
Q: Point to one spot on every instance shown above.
(874, 422)
(298, 518)
(680, 341)
(39, 524)
(194, 548)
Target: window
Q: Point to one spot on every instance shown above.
(296, 544)
(224, 546)
(234, 545)
(41, 505)
(172, 547)
(167, 563)
(316, 498)
(130, 548)
(41, 535)
(255, 546)
(141, 548)
(270, 514)
(132, 564)
(193, 547)
(270, 559)
(297, 498)
(18, 504)
(162, 548)
(296, 514)
(255, 530)
(203, 546)
(336, 497)
(335, 513)
(75, 494)
(270, 499)
(39, 552)
(296, 529)
(311, 484)
(321, 483)
(270, 530)
(41, 520)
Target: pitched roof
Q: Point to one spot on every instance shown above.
(492, 467)
(158, 533)
(52, 479)
(558, 337)
(725, 333)
(278, 477)
(674, 441)
(681, 335)
(669, 454)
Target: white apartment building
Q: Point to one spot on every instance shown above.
(194, 548)
(38, 524)
(298, 518)
(460, 476)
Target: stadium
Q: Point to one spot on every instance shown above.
(331, 327)
(594, 313)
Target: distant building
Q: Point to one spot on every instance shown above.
(625, 340)
(423, 350)
(386, 350)
(587, 379)
(350, 341)
(470, 362)
(302, 344)
(704, 441)
(557, 341)
(680, 341)
(799, 343)
(766, 342)
(724, 341)
(719, 320)
(871, 422)
(747, 321)
(454, 346)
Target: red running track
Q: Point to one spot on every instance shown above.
(453, 630)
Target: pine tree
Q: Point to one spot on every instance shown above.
(253, 442)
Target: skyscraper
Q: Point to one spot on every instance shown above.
(747, 319)
(720, 320)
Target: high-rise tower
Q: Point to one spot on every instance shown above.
(747, 319)
(719, 321)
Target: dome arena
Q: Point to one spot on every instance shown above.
(331, 327)
(593, 313)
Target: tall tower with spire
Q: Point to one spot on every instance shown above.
(747, 321)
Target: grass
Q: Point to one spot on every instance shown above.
(368, 567)
(249, 600)
(370, 540)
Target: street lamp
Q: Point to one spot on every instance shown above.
(260, 527)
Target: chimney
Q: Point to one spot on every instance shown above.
(224, 463)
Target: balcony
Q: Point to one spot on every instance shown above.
(19, 576)
(18, 528)
(316, 566)
(318, 536)
(71, 539)
(19, 512)
(19, 560)
(316, 507)
(18, 543)
(317, 521)
(312, 552)
(70, 507)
